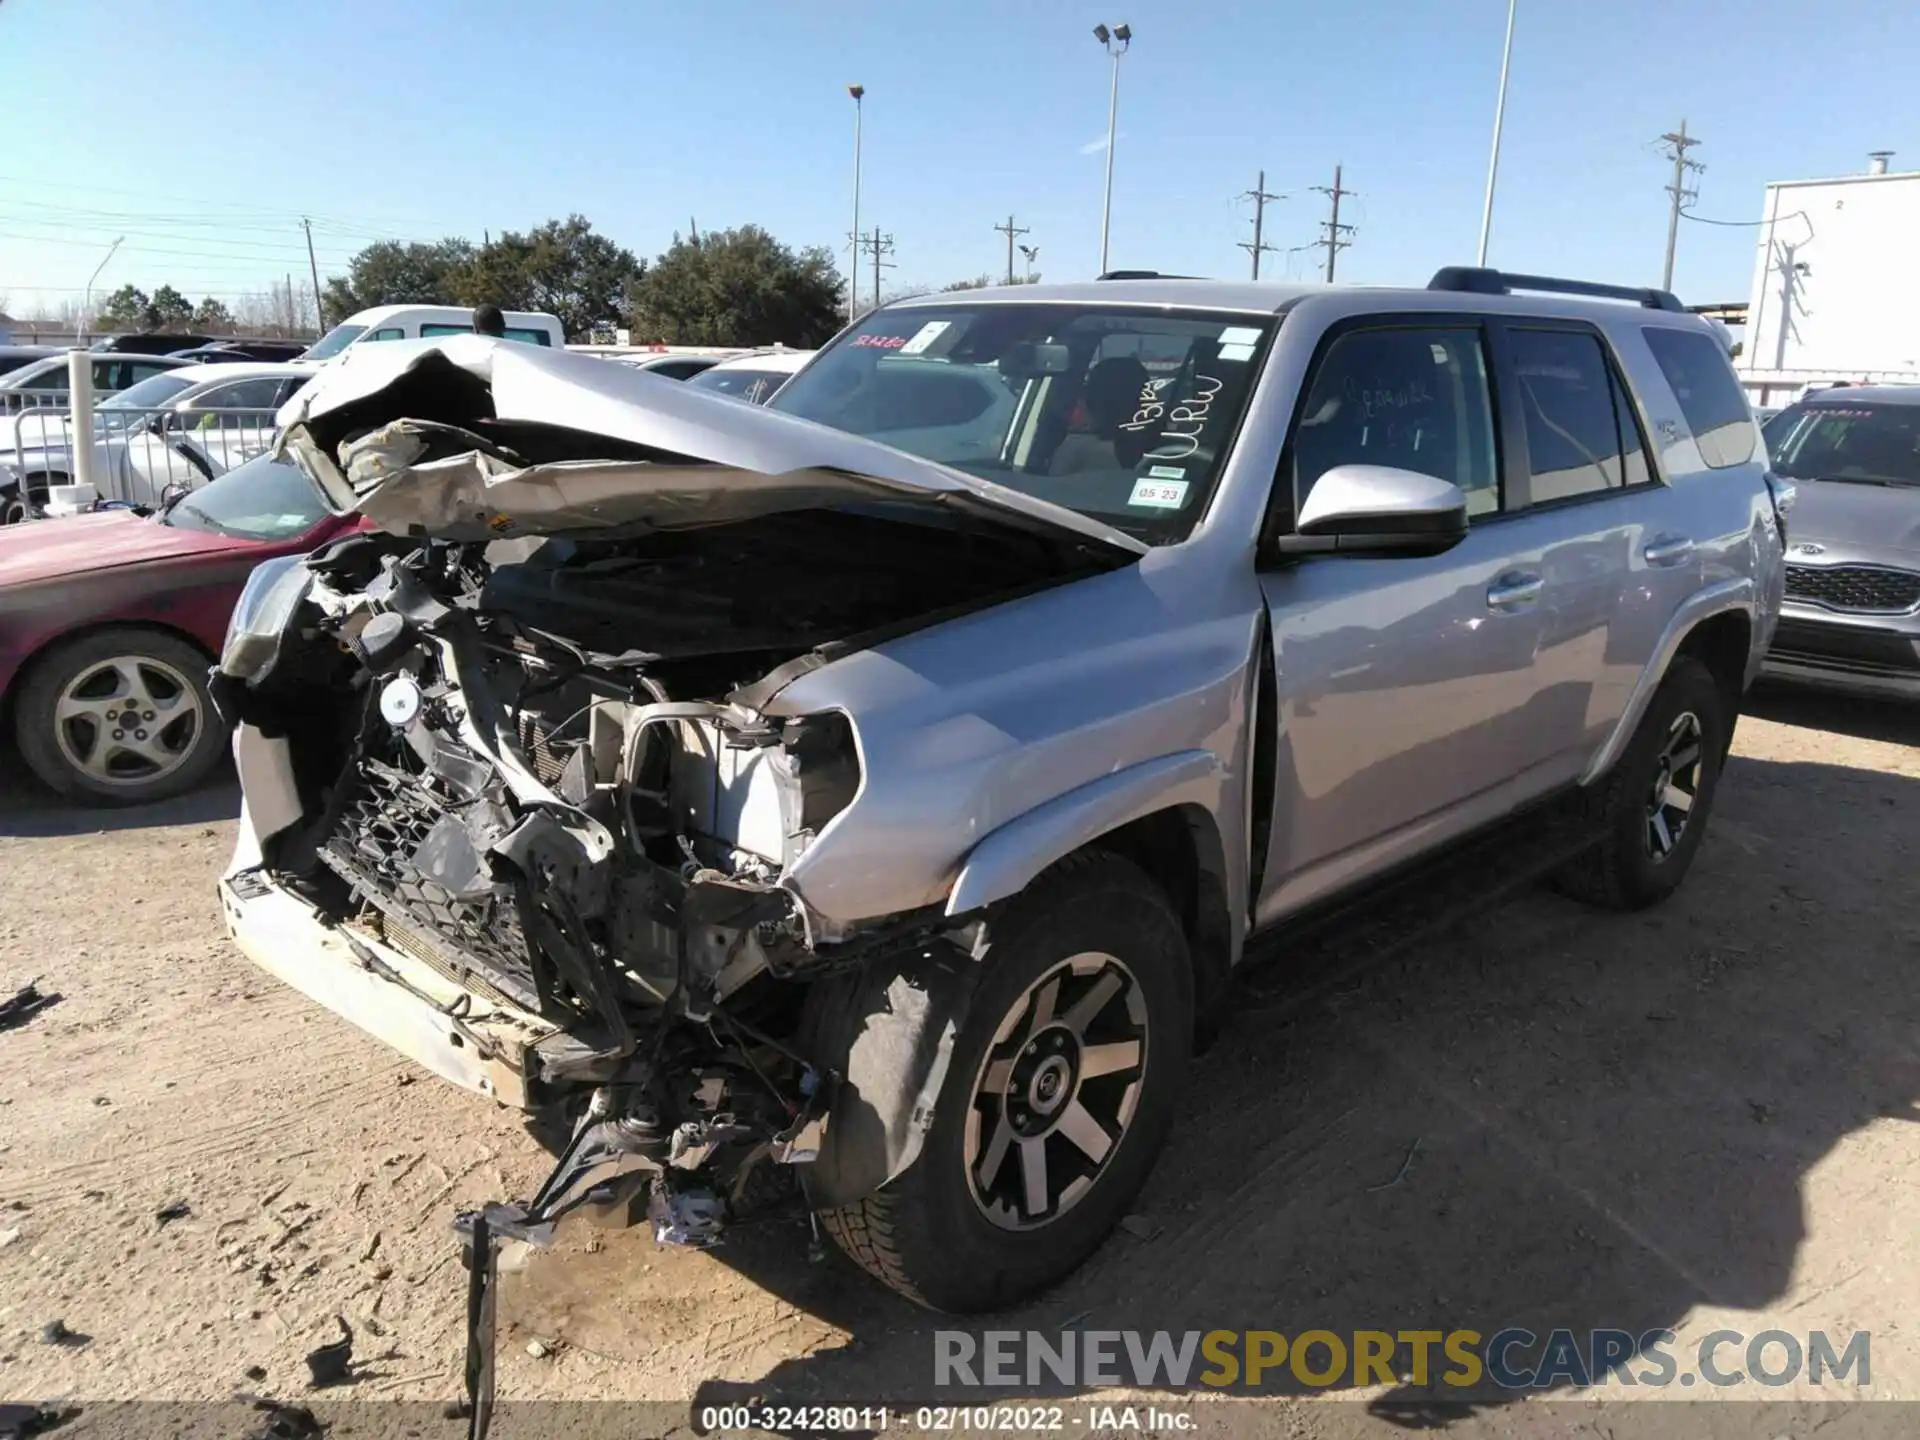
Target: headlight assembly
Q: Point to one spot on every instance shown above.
(265, 609)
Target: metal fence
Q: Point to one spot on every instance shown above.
(137, 455)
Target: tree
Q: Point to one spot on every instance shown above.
(212, 316)
(168, 309)
(124, 309)
(738, 287)
(562, 268)
(390, 273)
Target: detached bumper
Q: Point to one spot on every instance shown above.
(1855, 658)
(474, 1041)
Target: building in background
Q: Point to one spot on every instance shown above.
(1836, 284)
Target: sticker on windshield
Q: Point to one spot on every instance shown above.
(1166, 472)
(1159, 494)
(1240, 335)
(1236, 352)
(927, 334)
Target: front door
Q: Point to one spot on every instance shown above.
(1402, 685)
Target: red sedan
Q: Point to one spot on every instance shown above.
(109, 623)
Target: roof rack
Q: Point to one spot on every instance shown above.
(1142, 275)
(1476, 280)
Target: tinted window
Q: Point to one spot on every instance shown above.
(14, 362)
(388, 332)
(1044, 398)
(255, 397)
(1862, 442)
(513, 332)
(335, 340)
(136, 371)
(1414, 399)
(1710, 398)
(1582, 438)
(756, 386)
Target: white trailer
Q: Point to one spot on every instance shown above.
(1836, 285)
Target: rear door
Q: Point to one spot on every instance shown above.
(1618, 550)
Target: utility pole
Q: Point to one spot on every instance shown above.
(1260, 197)
(1011, 233)
(313, 268)
(1678, 142)
(1332, 225)
(877, 245)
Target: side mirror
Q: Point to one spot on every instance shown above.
(1378, 510)
(172, 496)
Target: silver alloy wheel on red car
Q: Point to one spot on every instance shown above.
(128, 720)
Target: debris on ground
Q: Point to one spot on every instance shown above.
(255, 1373)
(1139, 1226)
(20, 1422)
(55, 1332)
(8, 1237)
(1400, 1174)
(26, 1002)
(538, 1349)
(332, 1364)
(171, 1211)
(285, 1422)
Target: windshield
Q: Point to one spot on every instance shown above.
(334, 341)
(1859, 441)
(1124, 414)
(756, 386)
(150, 394)
(264, 499)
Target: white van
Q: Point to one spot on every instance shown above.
(411, 322)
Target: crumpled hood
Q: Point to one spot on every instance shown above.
(1863, 519)
(471, 438)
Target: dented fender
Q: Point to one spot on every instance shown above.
(896, 1022)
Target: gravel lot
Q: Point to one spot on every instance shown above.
(1698, 1116)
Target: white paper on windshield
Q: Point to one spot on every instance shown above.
(1159, 494)
(1240, 335)
(927, 334)
(1236, 352)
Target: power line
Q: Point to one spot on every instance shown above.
(1260, 197)
(1678, 142)
(1011, 233)
(877, 245)
(1331, 227)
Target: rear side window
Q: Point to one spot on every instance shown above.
(1413, 398)
(1582, 438)
(513, 332)
(1711, 399)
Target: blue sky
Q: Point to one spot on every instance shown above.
(208, 127)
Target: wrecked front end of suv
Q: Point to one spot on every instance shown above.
(526, 796)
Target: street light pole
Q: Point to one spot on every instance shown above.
(858, 92)
(86, 300)
(1123, 35)
(1499, 116)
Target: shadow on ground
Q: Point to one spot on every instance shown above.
(1549, 1118)
(1894, 721)
(29, 810)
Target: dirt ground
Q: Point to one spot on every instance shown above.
(1694, 1117)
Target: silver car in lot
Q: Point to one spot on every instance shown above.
(1851, 620)
(877, 788)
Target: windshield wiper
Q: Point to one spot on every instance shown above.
(212, 524)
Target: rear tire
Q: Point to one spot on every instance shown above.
(119, 717)
(1059, 1095)
(1652, 808)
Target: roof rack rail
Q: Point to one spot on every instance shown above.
(1142, 275)
(1478, 280)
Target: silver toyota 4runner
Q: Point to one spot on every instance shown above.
(877, 789)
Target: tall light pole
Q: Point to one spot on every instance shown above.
(1499, 116)
(858, 92)
(86, 300)
(1115, 43)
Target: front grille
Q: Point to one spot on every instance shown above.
(381, 828)
(1864, 589)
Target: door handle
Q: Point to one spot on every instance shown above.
(1514, 589)
(1668, 550)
